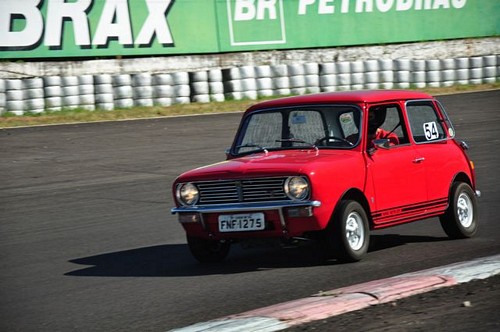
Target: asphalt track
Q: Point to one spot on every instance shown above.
(87, 242)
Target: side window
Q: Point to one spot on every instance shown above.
(386, 121)
(424, 122)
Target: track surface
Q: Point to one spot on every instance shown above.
(87, 242)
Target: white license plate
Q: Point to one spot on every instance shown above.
(241, 222)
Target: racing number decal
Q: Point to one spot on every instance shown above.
(431, 131)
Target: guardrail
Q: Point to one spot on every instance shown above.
(108, 92)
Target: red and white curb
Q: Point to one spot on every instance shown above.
(335, 302)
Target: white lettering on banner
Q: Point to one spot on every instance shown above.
(326, 7)
(247, 10)
(458, 3)
(114, 11)
(365, 6)
(404, 5)
(156, 23)
(114, 23)
(262, 14)
(33, 30)
(441, 3)
(323, 7)
(303, 6)
(58, 11)
(384, 5)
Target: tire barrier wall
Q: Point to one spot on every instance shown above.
(109, 92)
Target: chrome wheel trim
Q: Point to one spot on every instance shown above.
(465, 210)
(355, 231)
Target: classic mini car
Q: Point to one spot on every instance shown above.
(331, 167)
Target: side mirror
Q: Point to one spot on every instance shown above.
(464, 145)
(228, 153)
(383, 143)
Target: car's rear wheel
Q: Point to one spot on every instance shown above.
(460, 220)
(348, 235)
(208, 251)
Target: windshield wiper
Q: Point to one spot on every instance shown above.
(253, 145)
(296, 140)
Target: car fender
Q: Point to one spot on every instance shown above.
(330, 186)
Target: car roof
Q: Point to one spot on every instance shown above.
(359, 96)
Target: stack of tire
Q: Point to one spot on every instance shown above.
(216, 85)
(476, 70)
(122, 91)
(296, 75)
(15, 96)
(86, 91)
(200, 89)
(162, 89)
(103, 87)
(433, 73)
(343, 69)
(386, 67)
(418, 74)
(357, 79)
(448, 72)
(3, 99)
(328, 77)
(181, 88)
(264, 81)
(142, 87)
(232, 83)
(34, 94)
(248, 82)
(311, 71)
(490, 69)
(402, 73)
(71, 93)
(52, 93)
(371, 74)
(281, 80)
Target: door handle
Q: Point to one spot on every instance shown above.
(418, 160)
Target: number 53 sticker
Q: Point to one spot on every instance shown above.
(431, 131)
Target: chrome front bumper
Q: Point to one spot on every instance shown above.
(241, 207)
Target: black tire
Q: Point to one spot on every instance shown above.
(208, 251)
(460, 219)
(348, 235)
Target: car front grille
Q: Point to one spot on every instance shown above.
(240, 191)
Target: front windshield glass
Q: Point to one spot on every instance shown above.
(333, 127)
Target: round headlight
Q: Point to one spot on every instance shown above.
(297, 187)
(187, 194)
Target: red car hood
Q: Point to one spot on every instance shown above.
(275, 163)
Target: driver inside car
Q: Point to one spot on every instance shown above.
(376, 117)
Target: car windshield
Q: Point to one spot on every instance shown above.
(318, 127)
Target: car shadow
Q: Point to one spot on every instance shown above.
(387, 241)
(175, 260)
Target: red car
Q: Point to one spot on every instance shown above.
(331, 167)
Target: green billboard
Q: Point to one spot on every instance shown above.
(108, 28)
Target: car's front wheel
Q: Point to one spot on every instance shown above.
(460, 220)
(348, 235)
(208, 251)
